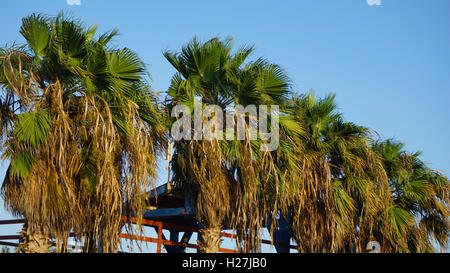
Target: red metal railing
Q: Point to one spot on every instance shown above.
(10, 237)
(159, 240)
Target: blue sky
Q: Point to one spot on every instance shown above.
(388, 64)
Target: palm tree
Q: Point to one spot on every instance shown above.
(418, 213)
(340, 182)
(81, 131)
(353, 190)
(225, 176)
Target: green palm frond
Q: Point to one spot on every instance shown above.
(419, 190)
(399, 219)
(344, 202)
(69, 37)
(21, 164)
(124, 64)
(35, 29)
(33, 128)
(107, 37)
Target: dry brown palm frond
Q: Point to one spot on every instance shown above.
(57, 196)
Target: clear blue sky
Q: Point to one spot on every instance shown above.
(389, 64)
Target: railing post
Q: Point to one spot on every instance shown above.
(158, 248)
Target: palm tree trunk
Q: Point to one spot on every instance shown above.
(211, 240)
(34, 241)
(61, 245)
